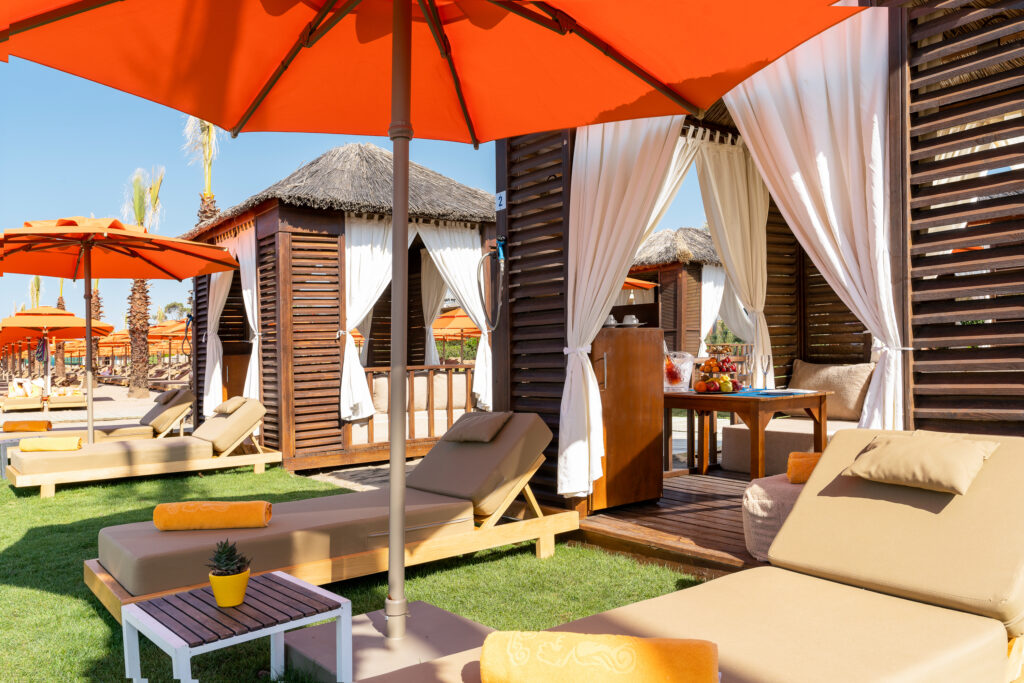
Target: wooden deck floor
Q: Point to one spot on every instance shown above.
(697, 523)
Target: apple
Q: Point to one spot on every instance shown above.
(713, 386)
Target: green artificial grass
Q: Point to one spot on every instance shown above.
(53, 629)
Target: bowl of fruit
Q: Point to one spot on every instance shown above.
(717, 376)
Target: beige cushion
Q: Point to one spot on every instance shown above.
(766, 505)
(145, 560)
(165, 396)
(782, 436)
(773, 625)
(484, 472)
(23, 403)
(361, 429)
(380, 391)
(476, 427)
(224, 431)
(161, 416)
(67, 401)
(231, 405)
(929, 460)
(962, 552)
(848, 384)
(112, 454)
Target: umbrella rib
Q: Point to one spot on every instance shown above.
(433, 17)
(169, 247)
(561, 23)
(132, 252)
(305, 39)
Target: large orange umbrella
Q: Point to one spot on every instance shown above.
(104, 248)
(296, 66)
(454, 324)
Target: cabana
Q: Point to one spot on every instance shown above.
(315, 259)
(690, 280)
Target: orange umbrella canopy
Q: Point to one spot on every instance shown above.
(454, 324)
(56, 248)
(169, 329)
(636, 283)
(52, 323)
(482, 69)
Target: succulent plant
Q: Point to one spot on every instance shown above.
(226, 560)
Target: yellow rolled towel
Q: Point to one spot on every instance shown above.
(50, 443)
(211, 514)
(27, 426)
(800, 466)
(513, 656)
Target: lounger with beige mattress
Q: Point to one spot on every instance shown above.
(460, 499)
(871, 582)
(21, 403)
(165, 417)
(211, 446)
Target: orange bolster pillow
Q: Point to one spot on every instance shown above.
(211, 514)
(42, 444)
(513, 656)
(800, 466)
(27, 426)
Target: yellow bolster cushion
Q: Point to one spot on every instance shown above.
(513, 656)
(800, 466)
(50, 443)
(211, 514)
(27, 426)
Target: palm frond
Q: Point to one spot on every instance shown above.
(154, 209)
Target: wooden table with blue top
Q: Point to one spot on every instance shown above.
(755, 407)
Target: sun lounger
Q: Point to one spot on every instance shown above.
(872, 582)
(162, 420)
(209, 447)
(460, 499)
(21, 403)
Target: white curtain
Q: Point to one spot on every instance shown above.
(367, 274)
(712, 286)
(456, 250)
(243, 247)
(365, 328)
(685, 151)
(432, 290)
(619, 177)
(736, 204)
(816, 123)
(213, 375)
(735, 316)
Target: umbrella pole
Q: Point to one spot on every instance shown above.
(400, 132)
(87, 262)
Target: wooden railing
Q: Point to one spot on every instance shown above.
(429, 372)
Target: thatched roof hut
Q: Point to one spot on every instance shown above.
(357, 178)
(683, 246)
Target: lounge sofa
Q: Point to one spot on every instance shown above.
(870, 582)
(782, 436)
(457, 501)
(211, 446)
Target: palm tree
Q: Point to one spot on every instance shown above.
(141, 206)
(35, 290)
(201, 144)
(58, 349)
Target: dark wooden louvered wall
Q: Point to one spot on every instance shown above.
(966, 261)
(270, 379)
(534, 171)
(200, 305)
(380, 335)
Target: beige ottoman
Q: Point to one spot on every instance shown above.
(766, 504)
(782, 436)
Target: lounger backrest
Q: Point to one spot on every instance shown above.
(224, 431)
(965, 552)
(162, 415)
(483, 472)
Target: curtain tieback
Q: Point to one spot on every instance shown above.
(204, 337)
(579, 350)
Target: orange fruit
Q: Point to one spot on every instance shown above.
(700, 386)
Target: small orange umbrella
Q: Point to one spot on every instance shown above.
(85, 248)
(454, 324)
(636, 283)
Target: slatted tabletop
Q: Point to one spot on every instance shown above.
(195, 617)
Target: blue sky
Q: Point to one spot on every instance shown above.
(69, 146)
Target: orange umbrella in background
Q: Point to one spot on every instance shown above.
(636, 283)
(169, 331)
(46, 323)
(238, 65)
(90, 248)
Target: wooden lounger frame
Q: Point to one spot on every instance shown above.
(47, 482)
(487, 533)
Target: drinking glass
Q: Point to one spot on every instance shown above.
(765, 361)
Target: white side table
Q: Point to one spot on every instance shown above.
(190, 623)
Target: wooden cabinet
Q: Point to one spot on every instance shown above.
(629, 363)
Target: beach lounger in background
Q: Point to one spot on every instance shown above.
(209, 447)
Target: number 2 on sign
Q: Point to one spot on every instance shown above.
(499, 201)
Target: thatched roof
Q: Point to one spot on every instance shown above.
(685, 245)
(357, 178)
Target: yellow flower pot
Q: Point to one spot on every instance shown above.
(229, 591)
